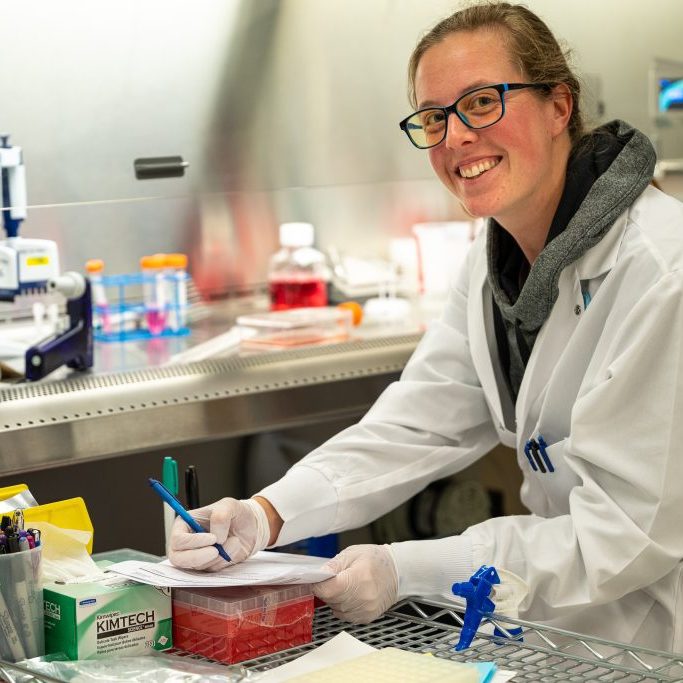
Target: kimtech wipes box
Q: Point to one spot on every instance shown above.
(108, 617)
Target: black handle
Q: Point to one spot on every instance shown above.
(151, 168)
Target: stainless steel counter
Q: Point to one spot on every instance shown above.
(142, 407)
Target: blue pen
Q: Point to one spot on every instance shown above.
(174, 503)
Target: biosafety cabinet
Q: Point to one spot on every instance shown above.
(198, 129)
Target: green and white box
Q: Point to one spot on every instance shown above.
(108, 617)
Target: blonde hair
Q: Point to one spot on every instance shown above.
(529, 40)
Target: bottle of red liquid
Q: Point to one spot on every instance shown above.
(297, 273)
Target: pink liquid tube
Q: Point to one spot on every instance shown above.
(102, 311)
(154, 292)
(156, 321)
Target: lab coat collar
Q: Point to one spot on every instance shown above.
(600, 259)
(551, 343)
(565, 316)
(552, 337)
(483, 346)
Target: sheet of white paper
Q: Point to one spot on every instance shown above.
(335, 651)
(264, 568)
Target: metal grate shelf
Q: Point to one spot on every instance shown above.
(544, 655)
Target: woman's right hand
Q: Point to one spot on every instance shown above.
(240, 526)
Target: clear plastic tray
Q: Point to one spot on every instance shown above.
(296, 327)
(235, 600)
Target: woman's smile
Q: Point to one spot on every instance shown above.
(476, 168)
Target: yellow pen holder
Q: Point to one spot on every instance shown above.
(11, 491)
(67, 514)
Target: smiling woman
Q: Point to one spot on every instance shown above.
(524, 134)
(561, 339)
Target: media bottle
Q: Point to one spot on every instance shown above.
(154, 292)
(101, 313)
(297, 273)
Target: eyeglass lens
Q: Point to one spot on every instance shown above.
(477, 109)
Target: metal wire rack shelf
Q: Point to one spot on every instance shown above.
(540, 654)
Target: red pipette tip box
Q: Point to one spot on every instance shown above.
(238, 623)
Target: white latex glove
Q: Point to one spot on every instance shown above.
(365, 586)
(240, 526)
(509, 593)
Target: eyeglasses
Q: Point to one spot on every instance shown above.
(478, 108)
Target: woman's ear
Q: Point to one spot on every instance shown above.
(563, 105)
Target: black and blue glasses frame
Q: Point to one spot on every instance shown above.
(500, 88)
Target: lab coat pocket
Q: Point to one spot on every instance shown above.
(559, 478)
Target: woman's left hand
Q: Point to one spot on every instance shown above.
(365, 586)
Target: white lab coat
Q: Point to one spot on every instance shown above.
(602, 548)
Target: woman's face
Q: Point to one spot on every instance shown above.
(524, 169)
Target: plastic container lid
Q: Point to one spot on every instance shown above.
(153, 261)
(234, 600)
(356, 311)
(176, 260)
(294, 318)
(387, 309)
(297, 235)
(94, 265)
(295, 327)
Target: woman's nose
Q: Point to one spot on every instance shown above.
(457, 133)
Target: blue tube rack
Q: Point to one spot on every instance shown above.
(127, 311)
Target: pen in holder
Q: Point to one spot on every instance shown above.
(21, 605)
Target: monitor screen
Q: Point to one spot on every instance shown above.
(670, 97)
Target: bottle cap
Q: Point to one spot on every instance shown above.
(176, 260)
(356, 311)
(153, 261)
(297, 235)
(94, 265)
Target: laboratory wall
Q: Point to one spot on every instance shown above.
(284, 109)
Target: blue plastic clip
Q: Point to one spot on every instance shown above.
(513, 633)
(527, 452)
(542, 445)
(476, 592)
(537, 455)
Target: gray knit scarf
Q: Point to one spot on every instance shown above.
(610, 195)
